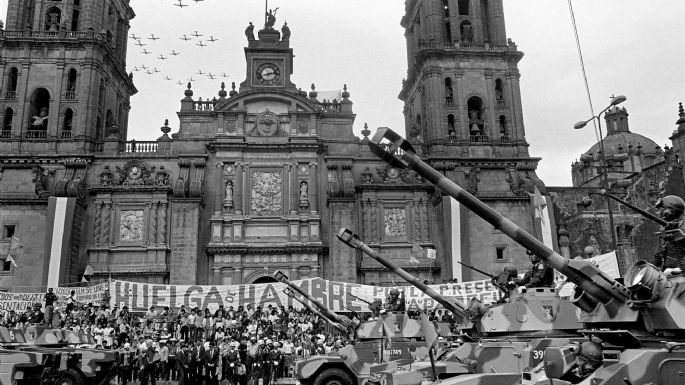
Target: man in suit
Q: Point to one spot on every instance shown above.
(182, 365)
(211, 361)
(198, 358)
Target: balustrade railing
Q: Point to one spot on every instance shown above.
(479, 138)
(66, 134)
(500, 103)
(142, 146)
(70, 95)
(331, 107)
(505, 139)
(200, 105)
(36, 134)
(5, 134)
(11, 95)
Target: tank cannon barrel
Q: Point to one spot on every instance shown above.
(640, 211)
(309, 307)
(281, 277)
(351, 239)
(399, 153)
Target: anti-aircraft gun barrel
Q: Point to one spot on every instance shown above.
(352, 240)
(399, 153)
(485, 273)
(309, 307)
(360, 299)
(640, 211)
(281, 277)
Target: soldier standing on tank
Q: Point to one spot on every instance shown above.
(588, 359)
(506, 282)
(394, 302)
(670, 256)
(539, 274)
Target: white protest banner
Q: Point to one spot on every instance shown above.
(337, 296)
(607, 263)
(20, 301)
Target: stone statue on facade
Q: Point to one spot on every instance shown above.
(466, 34)
(249, 32)
(270, 19)
(285, 30)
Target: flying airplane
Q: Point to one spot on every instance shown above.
(200, 44)
(212, 39)
(211, 76)
(223, 75)
(140, 44)
(167, 78)
(156, 70)
(180, 4)
(174, 53)
(162, 57)
(153, 37)
(136, 69)
(199, 72)
(186, 38)
(191, 79)
(196, 34)
(197, 1)
(145, 51)
(180, 83)
(143, 66)
(149, 72)
(134, 37)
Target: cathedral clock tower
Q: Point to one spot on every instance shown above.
(269, 59)
(462, 105)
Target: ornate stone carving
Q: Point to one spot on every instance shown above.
(303, 126)
(131, 225)
(228, 199)
(134, 173)
(304, 194)
(395, 220)
(162, 177)
(40, 180)
(367, 176)
(303, 169)
(266, 191)
(266, 124)
(230, 126)
(106, 176)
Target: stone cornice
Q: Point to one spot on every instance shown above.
(281, 249)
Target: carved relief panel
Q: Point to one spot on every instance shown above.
(395, 223)
(266, 195)
(131, 225)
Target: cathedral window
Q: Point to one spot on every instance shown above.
(68, 121)
(499, 90)
(7, 123)
(449, 92)
(12, 81)
(71, 84)
(39, 112)
(476, 121)
(74, 19)
(463, 7)
(466, 31)
(451, 129)
(53, 19)
(503, 132)
(446, 8)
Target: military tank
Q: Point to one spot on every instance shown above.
(641, 322)
(392, 339)
(507, 357)
(87, 366)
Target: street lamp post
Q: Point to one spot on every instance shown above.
(615, 100)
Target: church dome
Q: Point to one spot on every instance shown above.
(622, 142)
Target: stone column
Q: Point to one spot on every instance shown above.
(216, 274)
(293, 272)
(491, 117)
(314, 271)
(106, 223)
(313, 188)
(97, 223)
(152, 235)
(219, 194)
(238, 275)
(294, 189)
(161, 233)
(238, 189)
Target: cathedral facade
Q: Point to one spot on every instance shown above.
(264, 175)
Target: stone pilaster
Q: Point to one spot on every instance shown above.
(313, 188)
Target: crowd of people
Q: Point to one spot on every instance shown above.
(191, 345)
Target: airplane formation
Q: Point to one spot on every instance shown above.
(194, 38)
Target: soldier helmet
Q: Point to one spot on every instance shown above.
(277, 344)
(590, 350)
(672, 202)
(394, 292)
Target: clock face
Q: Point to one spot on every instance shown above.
(268, 73)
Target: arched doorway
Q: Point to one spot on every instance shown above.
(265, 279)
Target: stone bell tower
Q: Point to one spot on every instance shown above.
(462, 107)
(64, 88)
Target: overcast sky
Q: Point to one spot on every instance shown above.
(631, 47)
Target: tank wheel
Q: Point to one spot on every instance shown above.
(333, 376)
(70, 377)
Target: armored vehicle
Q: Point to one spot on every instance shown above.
(389, 340)
(641, 323)
(528, 332)
(93, 366)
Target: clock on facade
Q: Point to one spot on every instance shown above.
(268, 73)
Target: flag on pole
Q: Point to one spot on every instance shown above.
(84, 280)
(428, 330)
(10, 259)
